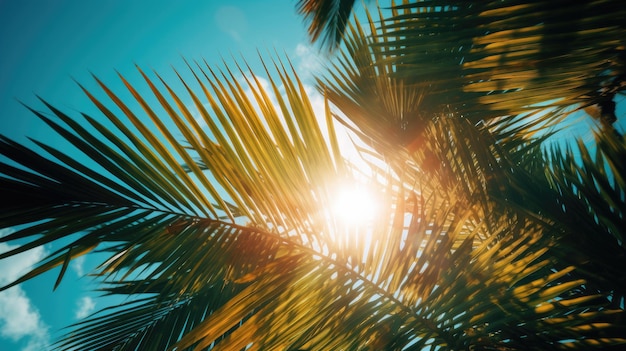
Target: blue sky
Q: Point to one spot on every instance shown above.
(46, 44)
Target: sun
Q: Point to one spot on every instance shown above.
(354, 205)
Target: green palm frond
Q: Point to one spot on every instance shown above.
(482, 163)
(416, 135)
(598, 180)
(327, 19)
(188, 275)
(139, 200)
(385, 108)
(593, 199)
(511, 57)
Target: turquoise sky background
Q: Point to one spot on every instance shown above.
(45, 44)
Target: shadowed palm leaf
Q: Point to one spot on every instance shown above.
(328, 19)
(489, 59)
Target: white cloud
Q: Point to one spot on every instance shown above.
(19, 318)
(309, 60)
(78, 265)
(86, 305)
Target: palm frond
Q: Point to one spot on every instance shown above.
(487, 164)
(128, 190)
(511, 57)
(593, 199)
(327, 19)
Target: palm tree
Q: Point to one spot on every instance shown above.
(483, 238)
(504, 57)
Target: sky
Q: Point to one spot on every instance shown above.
(47, 44)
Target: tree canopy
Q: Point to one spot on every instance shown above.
(222, 230)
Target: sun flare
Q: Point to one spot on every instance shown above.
(354, 205)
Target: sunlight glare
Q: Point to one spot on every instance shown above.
(354, 205)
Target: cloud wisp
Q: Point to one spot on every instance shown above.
(85, 306)
(309, 61)
(19, 318)
(232, 21)
(78, 264)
